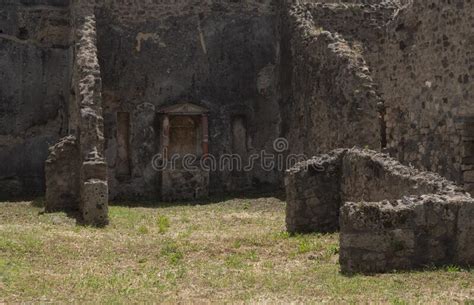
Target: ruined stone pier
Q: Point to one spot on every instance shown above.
(76, 171)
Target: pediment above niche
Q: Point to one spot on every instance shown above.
(184, 109)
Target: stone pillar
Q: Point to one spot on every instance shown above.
(205, 135)
(166, 136)
(88, 82)
(76, 169)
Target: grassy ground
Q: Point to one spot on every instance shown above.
(231, 251)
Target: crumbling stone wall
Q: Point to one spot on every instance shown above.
(329, 99)
(418, 57)
(390, 216)
(35, 67)
(313, 194)
(413, 232)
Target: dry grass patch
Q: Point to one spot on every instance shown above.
(232, 251)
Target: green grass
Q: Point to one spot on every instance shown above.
(234, 251)
(163, 223)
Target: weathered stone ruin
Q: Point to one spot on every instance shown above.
(390, 216)
(413, 59)
(116, 88)
(404, 72)
(76, 171)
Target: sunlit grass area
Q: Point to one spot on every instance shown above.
(234, 250)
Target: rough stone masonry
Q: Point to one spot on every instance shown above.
(390, 216)
(109, 85)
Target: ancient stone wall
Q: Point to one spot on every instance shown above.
(35, 61)
(180, 184)
(390, 216)
(329, 99)
(366, 176)
(130, 13)
(313, 194)
(352, 20)
(220, 55)
(418, 56)
(424, 69)
(413, 232)
(324, 74)
(316, 189)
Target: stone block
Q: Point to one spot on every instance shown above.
(468, 176)
(95, 202)
(468, 149)
(94, 170)
(465, 235)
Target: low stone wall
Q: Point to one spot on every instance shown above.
(313, 194)
(390, 216)
(412, 232)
